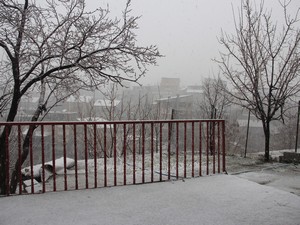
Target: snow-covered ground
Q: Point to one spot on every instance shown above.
(279, 175)
(95, 168)
(253, 193)
(212, 200)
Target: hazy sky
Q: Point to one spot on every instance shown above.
(185, 32)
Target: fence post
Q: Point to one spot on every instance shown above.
(7, 162)
(297, 131)
(223, 146)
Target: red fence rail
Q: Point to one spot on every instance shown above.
(82, 155)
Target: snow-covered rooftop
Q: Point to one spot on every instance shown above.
(173, 97)
(106, 103)
(81, 98)
(92, 119)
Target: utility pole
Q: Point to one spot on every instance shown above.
(296, 145)
(246, 144)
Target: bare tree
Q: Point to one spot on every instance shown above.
(213, 103)
(62, 42)
(215, 98)
(262, 62)
(137, 108)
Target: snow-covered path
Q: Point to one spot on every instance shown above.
(219, 199)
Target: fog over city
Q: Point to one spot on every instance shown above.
(219, 94)
(186, 32)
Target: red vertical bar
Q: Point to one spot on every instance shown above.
(134, 151)
(223, 145)
(177, 150)
(31, 158)
(207, 147)
(75, 156)
(86, 157)
(105, 157)
(115, 154)
(95, 156)
(152, 151)
(218, 147)
(184, 171)
(65, 157)
(20, 160)
(169, 150)
(143, 152)
(160, 151)
(200, 148)
(193, 149)
(43, 157)
(213, 147)
(53, 158)
(124, 153)
(7, 161)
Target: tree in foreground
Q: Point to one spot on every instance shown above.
(64, 47)
(262, 62)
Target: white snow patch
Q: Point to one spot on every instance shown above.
(212, 200)
(59, 167)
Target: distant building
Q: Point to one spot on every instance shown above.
(81, 104)
(104, 103)
(175, 107)
(29, 104)
(169, 84)
(88, 106)
(194, 89)
(106, 108)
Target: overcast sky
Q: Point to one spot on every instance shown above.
(185, 32)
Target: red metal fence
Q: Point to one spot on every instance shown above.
(81, 155)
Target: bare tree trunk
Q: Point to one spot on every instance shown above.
(16, 172)
(6, 132)
(2, 164)
(267, 141)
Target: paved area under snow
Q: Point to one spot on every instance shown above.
(219, 199)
